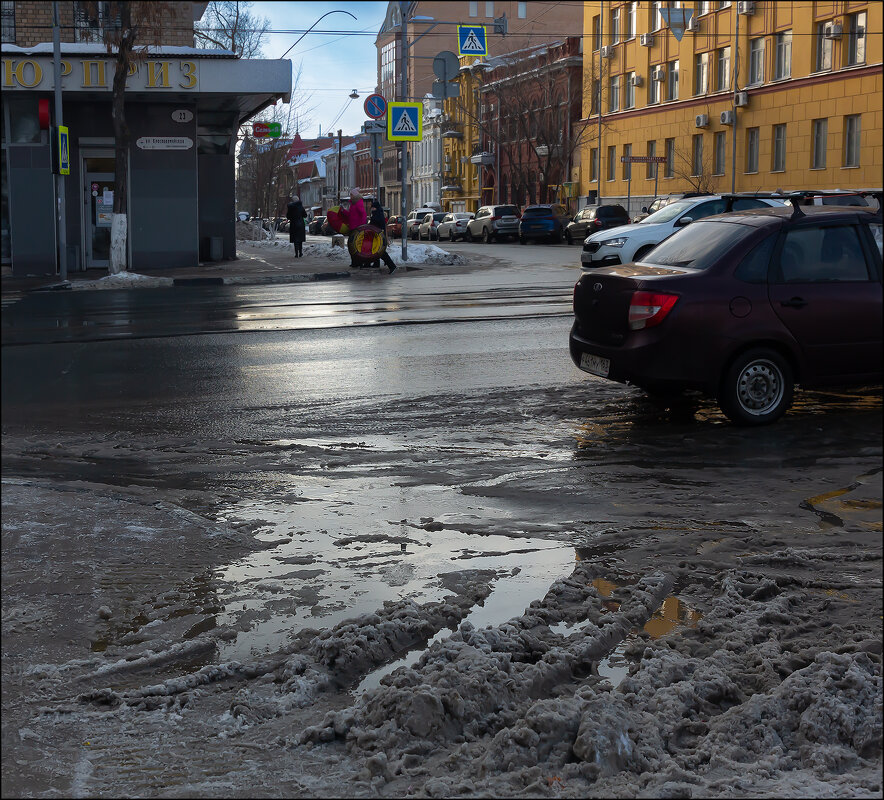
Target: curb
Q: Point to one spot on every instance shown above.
(257, 280)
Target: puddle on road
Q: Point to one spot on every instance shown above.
(835, 508)
(336, 560)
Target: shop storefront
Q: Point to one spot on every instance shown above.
(184, 107)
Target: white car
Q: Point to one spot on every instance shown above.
(629, 243)
(454, 225)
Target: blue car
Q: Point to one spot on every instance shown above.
(547, 222)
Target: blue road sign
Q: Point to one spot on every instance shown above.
(405, 122)
(64, 151)
(472, 40)
(375, 106)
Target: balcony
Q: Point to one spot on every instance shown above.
(484, 158)
(451, 130)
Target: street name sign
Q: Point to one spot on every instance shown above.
(405, 122)
(643, 159)
(374, 126)
(375, 106)
(472, 40)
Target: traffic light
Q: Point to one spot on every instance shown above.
(500, 25)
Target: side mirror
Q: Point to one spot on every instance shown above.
(680, 223)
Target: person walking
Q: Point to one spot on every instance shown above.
(378, 220)
(297, 216)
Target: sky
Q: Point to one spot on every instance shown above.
(332, 64)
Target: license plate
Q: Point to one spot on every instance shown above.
(595, 364)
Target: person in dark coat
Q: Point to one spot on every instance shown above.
(297, 216)
(378, 220)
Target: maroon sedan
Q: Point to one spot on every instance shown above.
(741, 306)
(394, 226)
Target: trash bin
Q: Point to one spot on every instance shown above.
(216, 248)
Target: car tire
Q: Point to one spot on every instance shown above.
(561, 237)
(468, 236)
(568, 238)
(642, 252)
(523, 240)
(757, 387)
(486, 237)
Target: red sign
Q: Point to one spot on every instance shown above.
(260, 130)
(375, 106)
(43, 113)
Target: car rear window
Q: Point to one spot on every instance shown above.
(610, 211)
(537, 212)
(699, 245)
(506, 211)
(439, 217)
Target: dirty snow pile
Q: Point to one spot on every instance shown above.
(250, 231)
(123, 280)
(417, 253)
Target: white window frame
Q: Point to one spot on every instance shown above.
(852, 138)
(783, 52)
(723, 65)
(672, 80)
(474, 8)
(653, 88)
(719, 148)
(614, 94)
(825, 48)
(701, 74)
(630, 20)
(856, 39)
(489, 9)
(615, 25)
(522, 12)
(629, 91)
(756, 61)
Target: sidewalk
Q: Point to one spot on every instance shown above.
(256, 263)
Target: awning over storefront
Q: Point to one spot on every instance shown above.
(217, 79)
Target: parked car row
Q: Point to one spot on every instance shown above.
(739, 297)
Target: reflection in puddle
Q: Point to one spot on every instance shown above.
(834, 508)
(360, 557)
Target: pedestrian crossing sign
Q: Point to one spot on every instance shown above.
(472, 40)
(64, 151)
(404, 122)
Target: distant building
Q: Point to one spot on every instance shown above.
(184, 108)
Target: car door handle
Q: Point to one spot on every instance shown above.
(795, 302)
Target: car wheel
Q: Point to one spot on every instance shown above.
(523, 240)
(642, 252)
(568, 238)
(486, 237)
(468, 236)
(561, 236)
(757, 387)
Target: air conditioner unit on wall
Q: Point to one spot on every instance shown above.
(693, 25)
(637, 80)
(658, 75)
(727, 117)
(741, 99)
(746, 8)
(701, 120)
(833, 31)
(607, 51)
(646, 40)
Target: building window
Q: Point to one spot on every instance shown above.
(756, 61)
(653, 88)
(594, 100)
(701, 73)
(651, 167)
(656, 16)
(851, 140)
(7, 10)
(697, 154)
(751, 149)
(723, 68)
(823, 47)
(629, 91)
(672, 80)
(489, 9)
(720, 145)
(615, 25)
(630, 20)
(784, 55)
(614, 94)
(779, 149)
(856, 39)
(474, 8)
(669, 154)
(593, 165)
(612, 162)
(819, 134)
(627, 165)
(705, 7)
(90, 19)
(596, 34)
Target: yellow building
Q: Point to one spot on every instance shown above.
(757, 96)
(460, 139)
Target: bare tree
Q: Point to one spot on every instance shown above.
(127, 29)
(230, 25)
(698, 176)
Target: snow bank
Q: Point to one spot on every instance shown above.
(417, 253)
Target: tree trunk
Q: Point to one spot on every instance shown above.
(119, 247)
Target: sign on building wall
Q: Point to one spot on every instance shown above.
(89, 74)
(164, 143)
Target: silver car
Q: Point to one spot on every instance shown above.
(454, 225)
(494, 222)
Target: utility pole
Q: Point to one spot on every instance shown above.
(598, 170)
(403, 166)
(734, 102)
(338, 182)
(60, 215)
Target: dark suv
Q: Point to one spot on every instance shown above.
(546, 222)
(593, 219)
(741, 306)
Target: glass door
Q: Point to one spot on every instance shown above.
(98, 206)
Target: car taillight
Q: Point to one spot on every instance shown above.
(647, 309)
(597, 222)
(494, 219)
